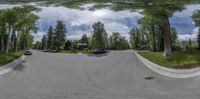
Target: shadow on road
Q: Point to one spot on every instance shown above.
(98, 55)
(24, 61)
(19, 67)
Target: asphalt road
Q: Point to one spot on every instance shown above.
(117, 75)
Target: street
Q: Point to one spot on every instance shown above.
(116, 75)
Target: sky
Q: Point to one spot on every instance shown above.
(79, 22)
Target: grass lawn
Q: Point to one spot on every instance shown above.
(6, 58)
(78, 51)
(179, 60)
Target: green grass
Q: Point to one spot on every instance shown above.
(78, 51)
(71, 51)
(6, 58)
(179, 60)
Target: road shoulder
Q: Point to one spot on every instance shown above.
(10, 66)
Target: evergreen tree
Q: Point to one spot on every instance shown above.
(68, 45)
(84, 39)
(50, 38)
(44, 43)
(60, 35)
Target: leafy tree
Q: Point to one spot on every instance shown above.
(10, 17)
(118, 42)
(68, 45)
(75, 44)
(174, 37)
(60, 35)
(196, 19)
(99, 36)
(135, 38)
(2, 31)
(152, 24)
(37, 45)
(161, 8)
(115, 41)
(16, 25)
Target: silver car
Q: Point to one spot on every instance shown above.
(28, 52)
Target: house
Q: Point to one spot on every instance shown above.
(82, 46)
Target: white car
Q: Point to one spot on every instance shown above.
(28, 52)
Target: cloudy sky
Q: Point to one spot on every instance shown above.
(80, 22)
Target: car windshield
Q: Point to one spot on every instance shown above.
(99, 49)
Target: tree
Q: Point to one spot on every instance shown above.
(196, 19)
(10, 17)
(174, 37)
(84, 39)
(15, 28)
(115, 41)
(118, 42)
(198, 39)
(37, 45)
(99, 36)
(152, 24)
(75, 44)
(2, 31)
(135, 38)
(161, 8)
(60, 35)
(50, 38)
(44, 43)
(68, 45)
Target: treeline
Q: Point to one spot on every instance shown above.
(150, 36)
(55, 39)
(16, 26)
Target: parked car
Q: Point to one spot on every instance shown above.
(45, 50)
(28, 52)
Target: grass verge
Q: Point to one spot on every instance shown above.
(7, 58)
(78, 51)
(179, 60)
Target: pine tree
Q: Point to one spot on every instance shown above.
(60, 35)
(50, 38)
(44, 43)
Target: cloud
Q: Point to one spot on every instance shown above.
(192, 36)
(80, 22)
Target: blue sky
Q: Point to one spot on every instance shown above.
(80, 22)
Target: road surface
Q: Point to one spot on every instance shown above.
(117, 75)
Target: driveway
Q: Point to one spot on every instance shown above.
(117, 75)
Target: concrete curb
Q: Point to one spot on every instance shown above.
(10, 66)
(173, 73)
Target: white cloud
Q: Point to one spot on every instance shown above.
(192, 36)
(79, 22)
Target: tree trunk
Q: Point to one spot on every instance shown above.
(2, 43)
(167, 36)
(154, 38)
(17, 39)
(8, 40)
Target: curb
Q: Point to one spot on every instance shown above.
(10, 66)
(173, 73)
